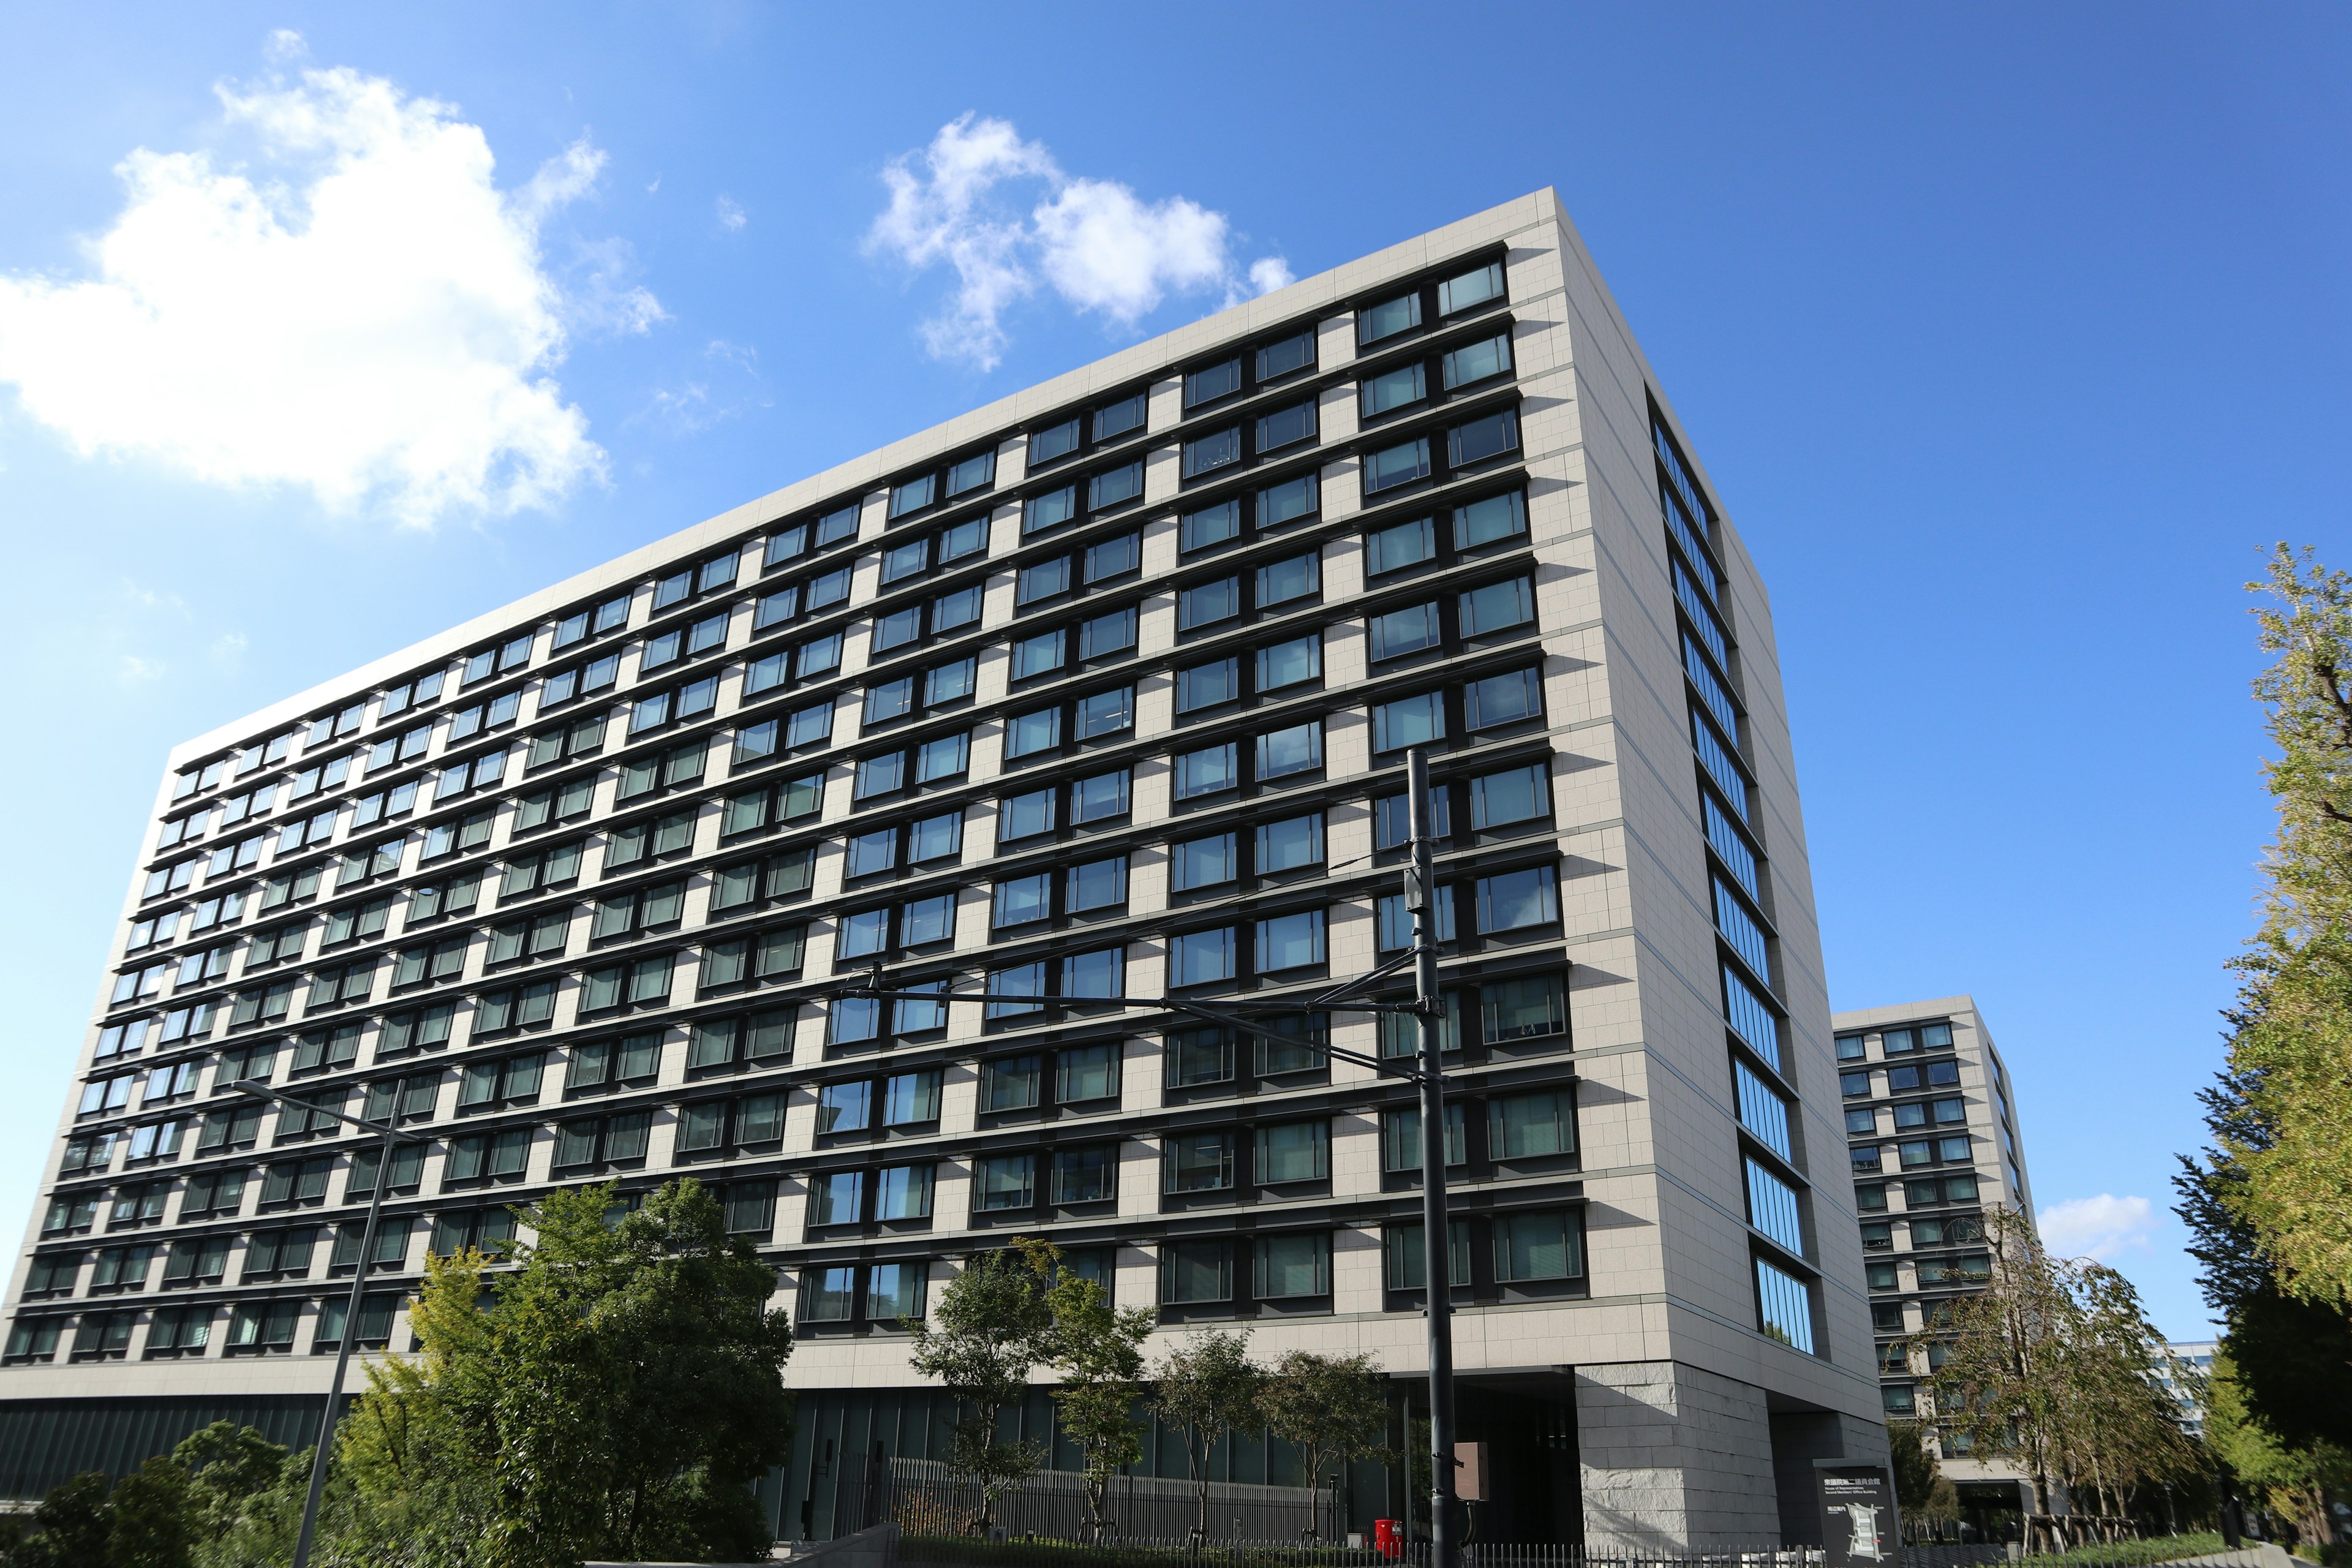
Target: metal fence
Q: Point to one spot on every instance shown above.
(1014, 1551)
(924, 1497)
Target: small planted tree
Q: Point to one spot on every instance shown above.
(1208, 1389)
(1335, 1408)
(1099, 1351)
(991, 1324)
(1921, 1492)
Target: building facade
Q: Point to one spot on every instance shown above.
(1105, 688)
(2184, 1375)
(1931, 1125)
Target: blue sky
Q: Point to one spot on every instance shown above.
(2011, 337)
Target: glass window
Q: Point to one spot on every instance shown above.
(1286, 425)
(1376, 323)
(1037, 655)
(1023, 900)
(1051, 509)
(1524, 1009)
(1290, 942)
(1295, 1151)
(1106, 635)
(1217, 450)
(1293, 577)
(1085, 1175)
(914, 495)
(1210, 525)
(1207, 685)
(1112, 557)
(943, 757)
(1054, 441)
(827, 1295)
(1400, 465)
(1397, 388)
(1280, 358)
(1529, 1126)
(1287, 844)
(976, 472)
(837, 1197)
(1401, 1136)
(1477, 362)
(935, 838)
(1098, 884)
(1298, 749)
(1025, 734)
(948, 682)
(1201, 957)
(1545, 1245)
(1113, 486)
(1007, 1182)
(1407, 1260)
(1116, 419)
(1475, 288)
(1486, 522)
(1042, 581)
(1025, 815)
(1405, 544)
(1516, 900)
(1101, 974)
(1483, 438)
(1497, 606)
(1195, 1271)
(1100, 796)
(1105, 713)
(1011, 1083)
(911, 1096)
(1207, 771)
(903, 1192)
(1401, 632)
(1198, 1161)
(1517, 795)
(1208, 602)
(1213, 382)
(1289, 663)
(1287, 501)
(1086, 1072)
(891, 700)
(1408, 722)
(845, 1107)
(1503, 699)
(1202, 862)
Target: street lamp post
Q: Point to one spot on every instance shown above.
(1427, 1072)
(389, 1136)
(1436, 1233)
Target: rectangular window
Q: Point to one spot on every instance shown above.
(1516, 900)
(1285, 426)
(1483, 439)
(1201, 957)
(1395, 389)
(1294, 1151)
(1392, 467)
(1377, 323)
(1408, 722)
(1213, 382)
(1293, 577)
(1207, 603)
(1531, 1126)
(1206, 772)
(1284, 1266)
(1784, 1304)
(1498, 607)
(1197, 1161)
(1406, 1260)
(1211, 525)
(1401, 632)
(1478, 362)
(1545, 1245)
(1202, 862)
(1298, 749)
(1217, 450)
(1773, 1207)
(1764, 1113)
(1005, 1182)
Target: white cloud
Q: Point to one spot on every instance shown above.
(2099, 1227)
(1099, 245)
(369, 320)
(137, 671)
(731, 215)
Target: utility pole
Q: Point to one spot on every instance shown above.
(1437, 1274)
(390, 1136)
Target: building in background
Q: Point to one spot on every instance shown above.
(1931, 1127)
(2184, 1377)
(1105, 686)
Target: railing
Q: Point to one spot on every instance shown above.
(965, 1551)
(925, 1499)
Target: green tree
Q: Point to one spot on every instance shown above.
(1097, 1349)
(991, 1324)
(69, 1526)
(149, 1525)
(2052, 1366)
(1209, 1389)
(2294, 1184)
(2295, 1479)
(232, 1471)
(1921, 1490)
(1334, 1409)
(614, 1399)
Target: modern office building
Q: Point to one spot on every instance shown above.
(1931, 1125)
(2183, 1378)
(1103, 688)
